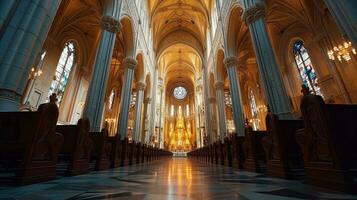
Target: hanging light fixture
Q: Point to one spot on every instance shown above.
(342, 52)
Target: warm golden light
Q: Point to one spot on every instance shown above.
(180, 135)
(342, 52)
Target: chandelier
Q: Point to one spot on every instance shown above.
(35, 73)
(342, 52)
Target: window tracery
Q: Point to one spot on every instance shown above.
(305, 68)
(63, 70)
(180, 93)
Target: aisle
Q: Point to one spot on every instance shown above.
(177, 178)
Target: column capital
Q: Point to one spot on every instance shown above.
(110, 24)
(140, 85)
(130, 63)
(230, 62)
(147, 100)
(212, 99)
(255, 12)
(219, 85)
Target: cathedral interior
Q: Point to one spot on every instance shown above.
(178, 99)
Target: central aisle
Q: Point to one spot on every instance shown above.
(176, 178)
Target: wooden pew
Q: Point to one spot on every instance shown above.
(254, 154)
(76, 149)
(227, 152)
(102, 148)
(138, 153)
(115, 154)
(216, 152)
(124, 152)
(29, 145)
(284, 156)
(329, 143)
(237, 151)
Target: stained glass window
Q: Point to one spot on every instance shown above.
(111, 100)
(306, 70)
(254, 110)
(63, 70)
(180, 93)
(227, 98)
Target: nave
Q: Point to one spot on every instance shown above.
(171, 178)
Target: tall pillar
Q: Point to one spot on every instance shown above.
(213, 118)
(6, 10)
(219, 86)
(153, 106)
(21, 41)
(231, 64)
(140, 86)
(96, 94)
(208, 124)
(160, 133)
(345, 15)
(268, 66)
(145, 125)
(129, 65)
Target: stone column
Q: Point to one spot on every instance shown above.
(20, 43)
(213, 118)
(231, 64)
(345, 15)
(152, 110)
(129, 65)
(96, 94)
(140, 86)
(268, 67)
(6, 10)
(208, 124)
(219, 86)
(145, 125)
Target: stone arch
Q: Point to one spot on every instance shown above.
(234, 29)
(220, 68)
(140, 69)
(128, 34)
(176, 38)
(148, 83)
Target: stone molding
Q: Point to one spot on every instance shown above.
(230, 62)
(10, 95)
(219, 85)
(130, 63)
(254, 13)
(212, 99)
(140, 86)
(147, 100)
(110, 24)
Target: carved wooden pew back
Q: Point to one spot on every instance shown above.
(329, 143)
(76, 148)
(29, 145)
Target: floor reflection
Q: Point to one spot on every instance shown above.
(176, 178)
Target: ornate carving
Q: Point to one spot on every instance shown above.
(212, 100)
(230, 62)
(130, 63)
(219, 85)
(110, 24)
(147, 100)
(140, 86)
(316, 128)
(84, 144)
(255, 12)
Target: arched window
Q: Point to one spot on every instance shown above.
(306, 70)
(111, 99)
(254, 110)
(63, 70)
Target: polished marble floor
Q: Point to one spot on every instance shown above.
(176, 178)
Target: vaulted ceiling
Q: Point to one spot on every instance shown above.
(179, 30)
